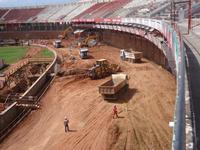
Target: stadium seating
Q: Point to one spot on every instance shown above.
(58, 13)
(90, 10)
(109, 9)
(136, 3)
(46, 13)
(61, 13)
(80, 8)
(2, 12)
(161, 10)
(21, 15)
(84, 10)
(140, 8)
(102, 10)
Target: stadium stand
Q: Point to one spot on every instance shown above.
(58, 13)
(79, 9)
(89, 11)
(139, 8)
(21, 15)
(162, 10)
(102, 10)
(159, 9)
(45, 14)
(136, 3)
(2, 12)
(62, 12)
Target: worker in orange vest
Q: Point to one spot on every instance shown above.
(115, 112)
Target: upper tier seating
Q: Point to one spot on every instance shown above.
(102, 10)
(2, 12)
(21, 15)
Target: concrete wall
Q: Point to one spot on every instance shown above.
(7, 116)
(37, 87)
(13, 112)
(30, 34)
(40, 82)
(127, 41)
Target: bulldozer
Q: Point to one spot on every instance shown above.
(102, 69)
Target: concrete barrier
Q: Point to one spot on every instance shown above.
(30, 34)
(12, 115)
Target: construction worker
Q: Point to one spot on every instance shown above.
(122, 54)
(66, 124)
(115, 112)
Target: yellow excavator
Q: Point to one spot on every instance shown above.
(102, 69)
(67, 33)
(90, 41)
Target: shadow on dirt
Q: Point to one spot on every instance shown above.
(125, 96)
(72, 130)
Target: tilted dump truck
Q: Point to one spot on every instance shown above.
(83, 53)
(110, 90)
(57, 43)
(133, 56)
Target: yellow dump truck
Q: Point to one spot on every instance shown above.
(112, 88)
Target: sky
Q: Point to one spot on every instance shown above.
(20, 3)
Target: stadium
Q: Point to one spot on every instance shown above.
(88, 61)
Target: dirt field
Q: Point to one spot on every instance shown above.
(145, 111)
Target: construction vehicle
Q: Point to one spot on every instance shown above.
(66, 34)
(90, 41)
(83, 53)
(133, 57)
(57, 44)
(102, 69)
(111, 89)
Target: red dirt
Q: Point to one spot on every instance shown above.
(145, 111)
